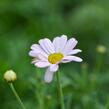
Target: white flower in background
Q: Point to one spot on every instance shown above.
(49, 54)
(10, 76)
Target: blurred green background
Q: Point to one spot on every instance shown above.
(24, 22)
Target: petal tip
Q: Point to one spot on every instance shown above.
(63, 35)
(30, 54)
(81, 60)
(47, 79)
(80, 50)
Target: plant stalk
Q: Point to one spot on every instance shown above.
(16, 95)
(60, 90)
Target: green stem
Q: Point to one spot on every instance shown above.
(16, 95)
(39, 97)
(39, 88)
(60, 91)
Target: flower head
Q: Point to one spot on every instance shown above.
(49, 54)
(10, 76)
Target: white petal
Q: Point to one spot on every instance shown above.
(70, 45)
(35, 46)
(48, 76)
(36, 50)
(33, 53)
(42, 64)
(75, 51)
(40, 56)
(54, 67)
(63, 41)
(59, 43)
(71, 58)
(35, 60)
(47, 45)
(56, 43)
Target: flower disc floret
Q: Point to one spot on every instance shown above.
(55, 58)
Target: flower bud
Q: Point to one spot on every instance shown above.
(101, 49)
(10, 76)
(49, 97)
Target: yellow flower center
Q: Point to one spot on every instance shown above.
(55, 57)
